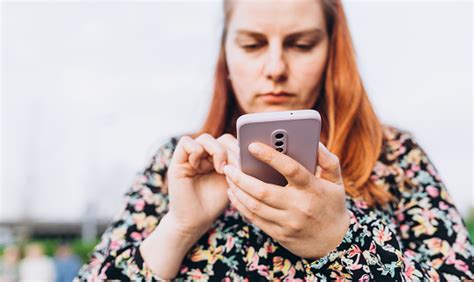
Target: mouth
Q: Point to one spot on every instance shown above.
(277, 98)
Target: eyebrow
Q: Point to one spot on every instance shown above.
(311, 31)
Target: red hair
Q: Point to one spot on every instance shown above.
(350, 127)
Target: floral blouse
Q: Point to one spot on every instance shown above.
(420, 237)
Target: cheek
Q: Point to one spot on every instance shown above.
(309, 71)
(243, 72)
(308, 74)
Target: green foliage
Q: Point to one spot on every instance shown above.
(83, 248)
(79, 247)
(470, 225)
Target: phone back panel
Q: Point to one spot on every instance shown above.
(302, 140)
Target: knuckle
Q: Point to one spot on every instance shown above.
(184, 139)
(203, 136)
(293, 170)
(307, 210)
(253, 206)
(295, 226)
(261, 193)
(267, 156)
(226, 136)
(236, 179)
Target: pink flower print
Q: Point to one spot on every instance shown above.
(372, 248)
(354, 250)
(136, 236)
(400, 216)
(415, 167)
(355, 266)
(229, 243)
(261, 269)
(458, 264)
(432, 191)
(364, 278)
(461, 265)
(443, 205)
(114, 245)
(197, 275)
(139, 205)
(146, 233)
(361, 204)
(381, 235)
(431, 170)
(183, 269)
(409, 269)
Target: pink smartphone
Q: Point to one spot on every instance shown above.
(294, 133)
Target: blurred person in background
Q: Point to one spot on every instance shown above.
(9, 264)
(375, 210)
(36, 266)
(66, 262)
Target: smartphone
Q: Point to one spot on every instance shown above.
(294, 133)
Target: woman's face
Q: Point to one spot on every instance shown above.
(275, 47)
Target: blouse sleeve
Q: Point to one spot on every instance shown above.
(433, 234)
(429, 240)
(117, 255)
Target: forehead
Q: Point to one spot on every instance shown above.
(276, 16)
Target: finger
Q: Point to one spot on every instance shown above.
(186, 146)
(271, 228)
(269, 194)
(196, 154)
(199, 159)
(232, 147)
(330, 168)
(293, 171)
(205, 164)
(255, 206)
(189, 154)
(215, 149)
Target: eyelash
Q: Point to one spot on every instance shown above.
(302, 47)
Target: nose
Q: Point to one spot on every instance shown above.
(276, 66)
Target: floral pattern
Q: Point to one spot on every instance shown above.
(421, 236)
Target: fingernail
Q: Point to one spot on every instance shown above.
(222, 166)
(254, 148)
(227, 170)
(323, 147)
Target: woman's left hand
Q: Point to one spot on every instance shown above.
(308, 216)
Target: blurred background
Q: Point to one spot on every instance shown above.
(89, 90)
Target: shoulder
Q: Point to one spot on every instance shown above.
(404, 155)
(398, 144)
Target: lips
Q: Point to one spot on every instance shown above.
(277, 98)
(278, 94)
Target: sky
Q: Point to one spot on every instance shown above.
(89, 90)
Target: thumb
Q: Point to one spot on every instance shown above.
(328, 165)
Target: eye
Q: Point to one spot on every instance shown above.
(304, 47)
(251, 46)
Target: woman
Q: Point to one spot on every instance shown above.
(375, 210)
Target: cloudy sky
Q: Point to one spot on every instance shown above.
(89, 90)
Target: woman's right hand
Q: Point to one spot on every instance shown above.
(197, 191)
(196, 183)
